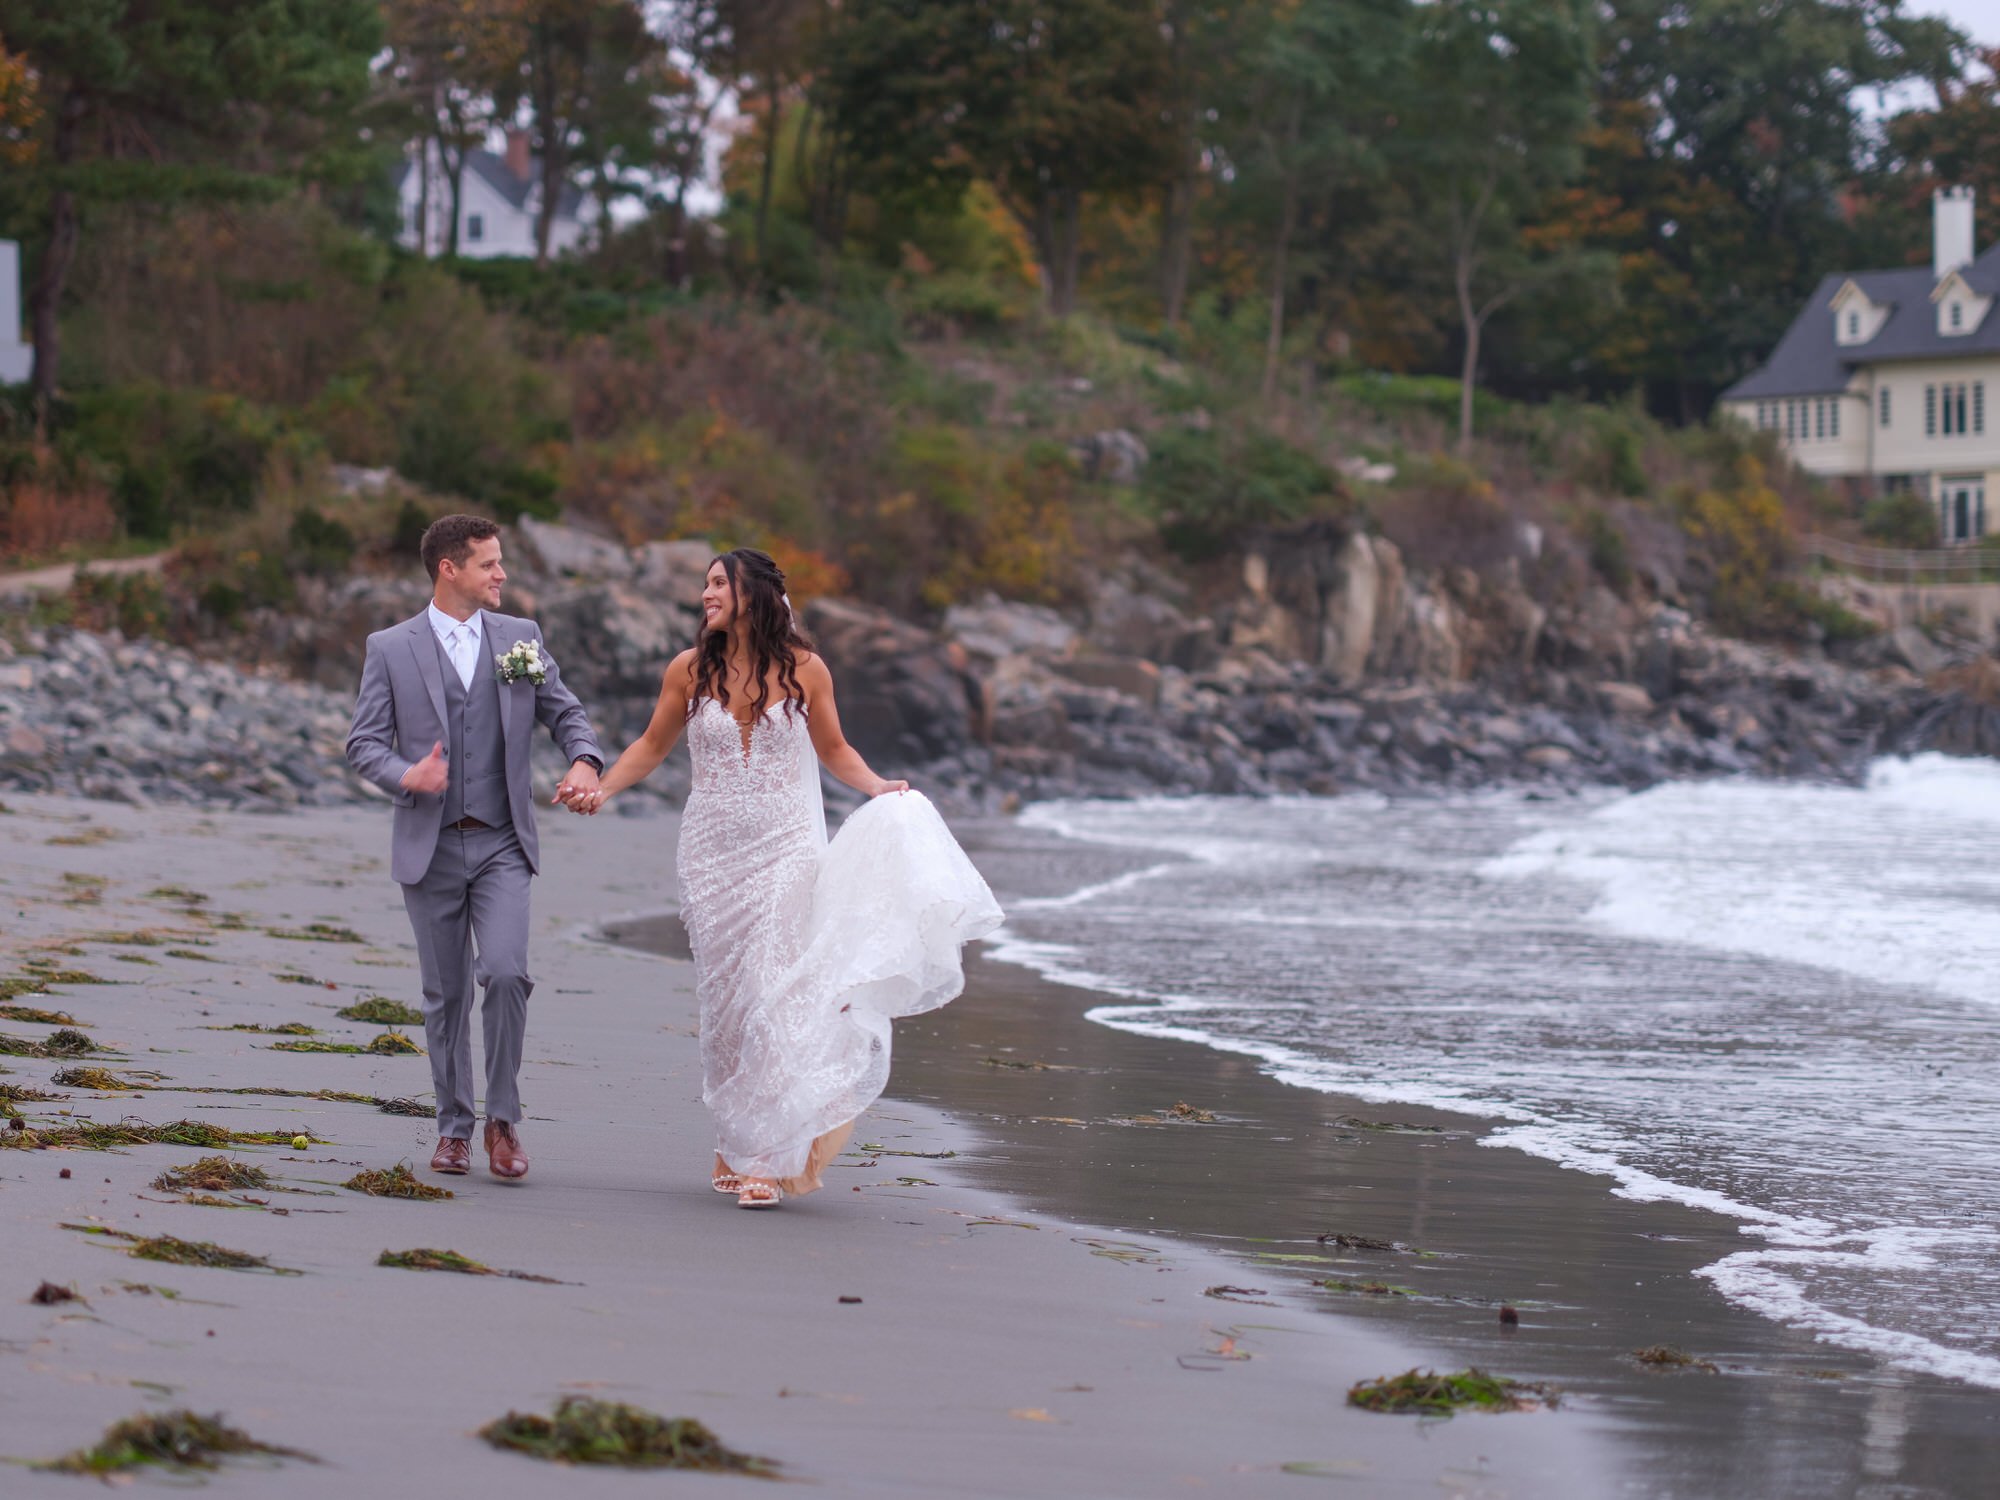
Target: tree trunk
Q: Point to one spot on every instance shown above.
(455, 177)
(772, 124)
(1058, 239)
(549, 129)
(1176, 247)
(1288, 223)
(1468, 372)
(58, 254)
(424, 198)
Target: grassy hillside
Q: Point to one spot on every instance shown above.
(912, 439)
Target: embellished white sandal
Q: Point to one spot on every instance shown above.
(726, 1182)
(760, 1195)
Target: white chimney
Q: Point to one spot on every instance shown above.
(1951, 230)
(16, 358)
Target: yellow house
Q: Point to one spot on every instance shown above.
(1886, 377)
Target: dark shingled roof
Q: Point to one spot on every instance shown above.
(1808, 362)
(493, 168)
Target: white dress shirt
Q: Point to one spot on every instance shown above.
(461, 640)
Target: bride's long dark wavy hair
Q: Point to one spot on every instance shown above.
(775, 636)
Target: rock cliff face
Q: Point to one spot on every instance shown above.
(1319, 662)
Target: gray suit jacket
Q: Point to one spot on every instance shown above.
(399, 714)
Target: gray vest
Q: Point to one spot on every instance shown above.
(476, 743)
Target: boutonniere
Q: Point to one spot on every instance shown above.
(522, 659)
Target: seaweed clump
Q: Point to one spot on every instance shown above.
(393, 1043)
(64, 1043)
(1668, 1357)
(316, 932)
(379, 1010)
(101, 1079)
(35, 1017)
(398, 1182)
(451, 1260)
(180, 1440)
(586, 1431)
(89, 1135)
(178, 1252)
(213, 1174)
(1427, 1393)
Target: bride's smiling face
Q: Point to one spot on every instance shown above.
(718, 598)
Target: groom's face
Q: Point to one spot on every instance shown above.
(475, 583)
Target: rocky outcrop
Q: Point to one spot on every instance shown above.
(1321, 663)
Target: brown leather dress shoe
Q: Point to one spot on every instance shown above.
(504, 1156)
(453, 1157)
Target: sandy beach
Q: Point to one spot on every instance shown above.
(997, 1349)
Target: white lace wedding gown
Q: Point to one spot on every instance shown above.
(805, 950)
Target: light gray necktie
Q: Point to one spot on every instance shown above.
(462, 650)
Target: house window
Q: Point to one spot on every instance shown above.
(1883, 397)
(1958, 314)
(1952, 410)
(1791, 420)
(1833, 417)
(1819, 419)
(1930, 411)
(1962, 507)
(1854, 325)
(475, 227)
(1978, 406)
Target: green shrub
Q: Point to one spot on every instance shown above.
(1609, 554)
(178, 457)
(320, 545)
(1901, 520)
(1206, 489)
(1435, 395)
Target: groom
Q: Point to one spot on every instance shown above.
(443, 726)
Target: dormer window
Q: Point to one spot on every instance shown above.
(1857, 317)
(1960, 309)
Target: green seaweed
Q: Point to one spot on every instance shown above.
(1369, 1288)
(451, 1260)
(397, 1182)
(414, 1108)
(1668, 1357)
(102, 1079)
(1427, 1393)
(178, 893)
(34, 1017)
(348, 1047)
(378, 1010)
(874, 1150)
(178, 1252)
(20, 1093)
(143, 937)
(176, 1440)
(318, 984)
(96, 833)
(316, 932)
(287, 1028)
(213, 1174)
(393, 1043)
(588, 1431)
(47, 972)
(192, 953)
(63, 1043)
(90, 1136)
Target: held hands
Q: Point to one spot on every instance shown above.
(883, 788)
(580, 791)
(430, 775)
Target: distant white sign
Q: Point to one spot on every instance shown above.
(16, 358)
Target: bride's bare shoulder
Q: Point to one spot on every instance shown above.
(680, 671)
(812, 668)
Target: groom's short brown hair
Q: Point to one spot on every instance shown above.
(452, 537)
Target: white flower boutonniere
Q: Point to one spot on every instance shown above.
(522, 660)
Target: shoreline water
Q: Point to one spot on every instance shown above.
(1057, 1099)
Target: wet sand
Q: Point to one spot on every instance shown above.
(997, 1349)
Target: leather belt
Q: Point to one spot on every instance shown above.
(468, 823)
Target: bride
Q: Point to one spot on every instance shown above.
(803, 950)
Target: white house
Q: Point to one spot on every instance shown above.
(1886, 377)
(496, 216)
